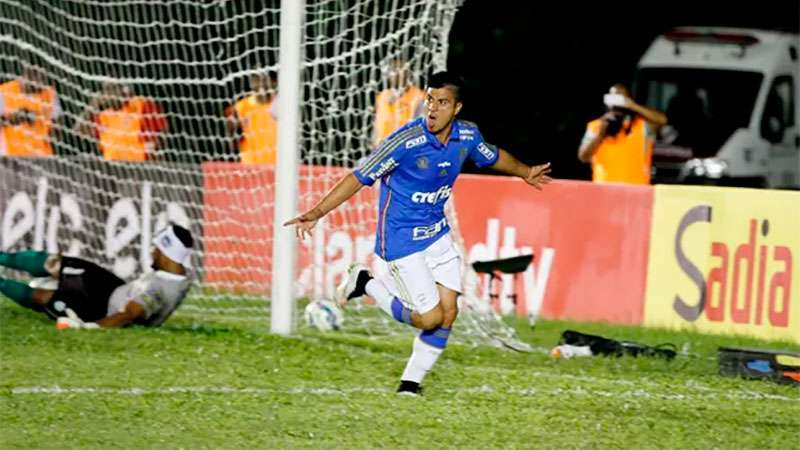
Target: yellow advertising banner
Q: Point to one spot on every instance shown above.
(725, 260)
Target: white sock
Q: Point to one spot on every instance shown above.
(377, 290)
(422, 359)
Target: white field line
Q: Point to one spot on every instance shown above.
(327, 391)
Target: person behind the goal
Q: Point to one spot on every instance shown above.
(81, 294)
(417, 166)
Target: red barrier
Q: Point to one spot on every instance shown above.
(590, 243)
(590, 240)
(237, 233)
(237, 225)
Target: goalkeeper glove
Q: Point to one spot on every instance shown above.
(73, 321)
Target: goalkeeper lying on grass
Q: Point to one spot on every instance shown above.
(81, 294)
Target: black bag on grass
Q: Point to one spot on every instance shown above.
(609, 347)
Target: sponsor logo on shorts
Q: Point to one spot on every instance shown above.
(428, 231)
(443, 193)
(385, 166)
(416, 141)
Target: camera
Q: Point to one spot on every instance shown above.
(613, 125)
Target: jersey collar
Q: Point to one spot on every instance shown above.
(455, 135)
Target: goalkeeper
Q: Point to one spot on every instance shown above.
(417, 166)
(81, 294)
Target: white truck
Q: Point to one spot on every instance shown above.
(732, 99)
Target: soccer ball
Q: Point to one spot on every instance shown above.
(324, 315)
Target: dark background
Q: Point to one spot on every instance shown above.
(536, 72)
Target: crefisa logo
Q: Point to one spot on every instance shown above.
(747, 282)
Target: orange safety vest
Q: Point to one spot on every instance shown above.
(624, 158)
(392, 112)
(121, 131)
(259, 144)
(28, 139)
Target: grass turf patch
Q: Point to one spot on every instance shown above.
(231, 385)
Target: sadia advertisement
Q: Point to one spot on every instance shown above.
(725, 261)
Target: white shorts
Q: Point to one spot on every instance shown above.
(413, 278)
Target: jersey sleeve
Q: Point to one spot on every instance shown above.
(159, 294)
(590, 133)
(383, 160)
(482, 153)
(148, 298)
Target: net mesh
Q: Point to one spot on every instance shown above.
(185, 81)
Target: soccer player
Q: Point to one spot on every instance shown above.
(417, 166)
(87, 296)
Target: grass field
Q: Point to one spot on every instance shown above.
(222, 385)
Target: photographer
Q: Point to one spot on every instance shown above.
(619, 145)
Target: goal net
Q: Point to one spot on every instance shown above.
(149, 124)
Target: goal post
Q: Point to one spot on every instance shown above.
(286, 176)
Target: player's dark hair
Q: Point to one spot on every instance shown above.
(183, 235)
(447, 79)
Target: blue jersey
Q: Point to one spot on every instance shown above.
(417, 173)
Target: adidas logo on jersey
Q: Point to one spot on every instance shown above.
(433, 198)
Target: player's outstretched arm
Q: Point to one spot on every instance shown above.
(347, 187)
(536, 176)
(131, 312)
(123, 318)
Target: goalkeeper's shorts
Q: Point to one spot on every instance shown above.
(84, 287)
(414, 277)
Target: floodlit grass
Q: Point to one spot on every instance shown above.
(231, 385)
